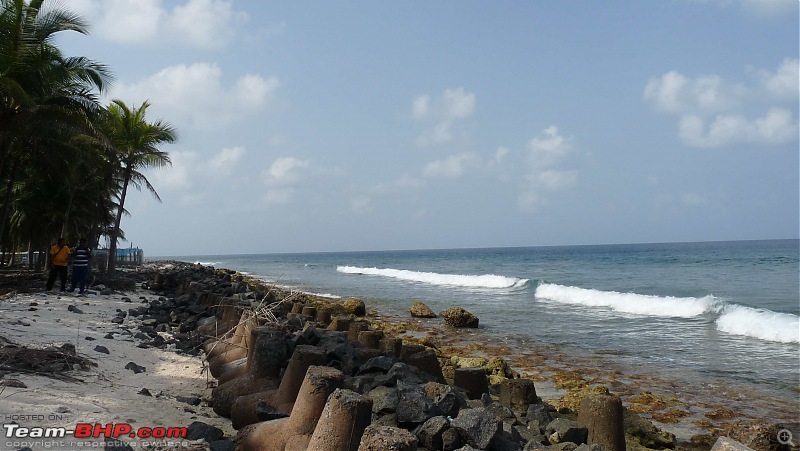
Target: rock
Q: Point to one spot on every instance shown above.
(199, 430)
(89, 338)
(458, 317)
(16, 383)
(354, 306)
(430, 432)
(477, 427)
(384, 400)
(645, 433)
(145, 392)
(102, 349)
(564, 430)
(445, 398)
(387, 438)
(540, 414)
(135, 368)
(191, 400)
(117, 320)
(729, 444)
(421, 310)
(74, 309)
(413, 406)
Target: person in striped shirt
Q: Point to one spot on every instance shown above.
(80, 265)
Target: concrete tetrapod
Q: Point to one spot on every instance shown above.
(295, 431)
(244, 410)
(266, 355)
(602, 415)
(343, 421)
(232, 349)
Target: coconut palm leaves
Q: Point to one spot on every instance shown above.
(136, 142)
(65, 161)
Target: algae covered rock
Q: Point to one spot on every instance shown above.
(458, 317)
(420, 310)
(354, 306)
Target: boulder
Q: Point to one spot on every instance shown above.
(477, 427)
(354, 306)
(420, 310)
(458, 317)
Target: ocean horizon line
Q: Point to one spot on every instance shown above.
(434, 249)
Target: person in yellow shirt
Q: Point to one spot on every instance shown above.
(59, 256)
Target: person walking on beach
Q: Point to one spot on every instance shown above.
(59, 255)
(80, 266)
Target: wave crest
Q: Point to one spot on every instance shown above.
(637, 304)
(759, 323)
(482, 281)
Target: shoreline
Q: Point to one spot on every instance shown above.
(559, 379)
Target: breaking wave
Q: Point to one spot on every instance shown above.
(483, 281)
(759, 323)
(637, 304)
(733, 318)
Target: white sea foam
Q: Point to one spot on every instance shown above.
(760, 323)
(198, 262)
(483, 281)
(637, 304)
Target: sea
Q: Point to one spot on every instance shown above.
(722, 315)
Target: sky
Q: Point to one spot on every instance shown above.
(308, 126)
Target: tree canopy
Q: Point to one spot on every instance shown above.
(66, 160)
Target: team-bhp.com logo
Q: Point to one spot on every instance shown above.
(97, 430)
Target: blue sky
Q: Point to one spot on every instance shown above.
(363, 125)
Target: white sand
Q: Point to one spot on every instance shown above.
(109, 393)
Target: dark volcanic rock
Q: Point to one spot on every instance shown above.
(477, 427)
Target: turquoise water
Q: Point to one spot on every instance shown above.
(695, 310)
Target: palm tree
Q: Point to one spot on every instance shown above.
(136, 142)
(44, 97)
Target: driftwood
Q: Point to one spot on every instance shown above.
(51, 361)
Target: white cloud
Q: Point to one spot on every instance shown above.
(450, 106)
(546, 151)
(548, 147)
(675, 93)
(193, 95)
(778, 126)
(206, 23)
(286, 170)
(223, 163)
(783, 84)
(552, 179)
(197, 23)
(714, 112)
(180, 174)
(451, 167)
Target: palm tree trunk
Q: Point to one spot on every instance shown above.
(7, 202)
(112, 248)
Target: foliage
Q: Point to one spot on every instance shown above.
(65, 160)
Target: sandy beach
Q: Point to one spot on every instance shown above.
(108, 393)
